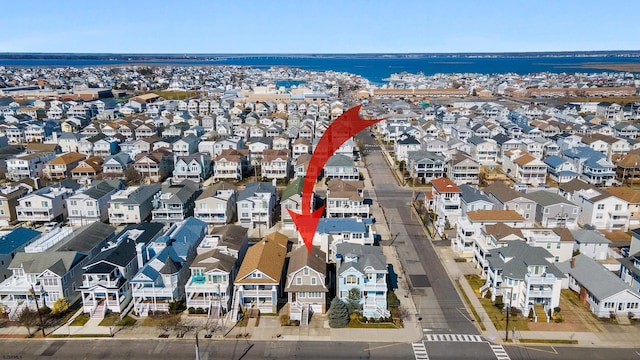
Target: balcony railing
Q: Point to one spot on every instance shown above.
(540, 293)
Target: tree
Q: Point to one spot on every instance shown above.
(29, 319)
(338, 314)
(353, 300)
(132, 176)
(60, 306)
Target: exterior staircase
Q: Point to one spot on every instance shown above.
(99, 311)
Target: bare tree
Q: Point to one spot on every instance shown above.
(29, 319)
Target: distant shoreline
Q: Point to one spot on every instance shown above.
(222, 57)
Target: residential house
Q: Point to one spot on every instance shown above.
(306, 284)
(345, 199)
(275, 164)
(186, 145)
(176, 202)
(301, 146)
(217, 204)
(560, 170)
(363, 268)
(27, 165)
(446, 198)
(231, 164)
(45, 275)
(133, 204)
(155, 166)
(164, 266)
(60, 167)
(484, 150)
(632, 197)
(12, 242)
(602, 210)
(507, 198)
(105, 279)
(601, 290)
(211, 283)
(44, 205)
(469, 227)
(196, 168)
(91, 205)
(87, 169)
(256, 205)
(9, 196)
(472, 199)
(261, 276)
(341, 167)
(425, 165)
(231, 240)
(404, 145)
(463, 169)
(524, 168)
(333, 231)
(554, 210)
(630, 271)
(291, 200)
(591, 243)
(525, 277)
(114, 166)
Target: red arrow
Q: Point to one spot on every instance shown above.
(342, 129)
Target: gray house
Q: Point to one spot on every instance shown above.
(507, 198)
(553, 210)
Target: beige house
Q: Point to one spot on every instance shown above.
(260, 279)
(306, 286)
(60, 167)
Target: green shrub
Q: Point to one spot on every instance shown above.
(191, 310)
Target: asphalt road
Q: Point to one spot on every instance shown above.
(208, 349)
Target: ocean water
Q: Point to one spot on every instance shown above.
(375, 69)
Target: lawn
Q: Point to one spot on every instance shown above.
(109, 319)
(163, 320)
(497, 316)
(359, 325)
(80, 320)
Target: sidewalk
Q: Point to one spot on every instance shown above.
(626, 337)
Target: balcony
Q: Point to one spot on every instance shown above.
(540, 294)
(540, 280)
(619, 213)
(379, 285)
(109, 283)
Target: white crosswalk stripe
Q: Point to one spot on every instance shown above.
(420, 351)
(453, 338)
(499, 351)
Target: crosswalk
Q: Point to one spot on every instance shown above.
(420, 351)
(499, 351)
(453, 338)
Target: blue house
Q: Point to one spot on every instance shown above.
(165, 266)
(560, 170)
(12, 242)
(333, 231)
(363, 268)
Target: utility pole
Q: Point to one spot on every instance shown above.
(506, 330)
(35, 298)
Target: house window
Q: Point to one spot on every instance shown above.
(556, 258)
(599, 216)
(548, 245)
(73, 202)
(313, 281)
(130, 207)
(351, 279)
(600, 206)
(44, 204)
(27, 204)
(89, 203)
(618, 207)
(298, 281)
(558, 246)
(306, 271)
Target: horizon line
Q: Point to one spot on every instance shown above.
(321, 53)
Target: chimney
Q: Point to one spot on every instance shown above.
(140, 254)
(573, 262)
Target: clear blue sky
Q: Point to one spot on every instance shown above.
(318, 26)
